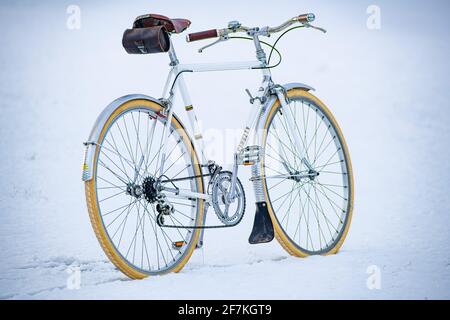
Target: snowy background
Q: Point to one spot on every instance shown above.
(388, 88)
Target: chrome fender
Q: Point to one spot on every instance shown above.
(259, 128)
(265, 110)
(91, 144)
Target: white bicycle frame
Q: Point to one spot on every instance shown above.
(177, 74)
(268, 94)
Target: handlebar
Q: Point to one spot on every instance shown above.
(235, 26)
(213, 33)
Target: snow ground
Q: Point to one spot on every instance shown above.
(389, 90)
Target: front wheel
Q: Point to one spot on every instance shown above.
(308, 187)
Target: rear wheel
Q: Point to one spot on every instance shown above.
(310, 201)
(122, 199)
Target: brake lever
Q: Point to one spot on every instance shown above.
(308, 25)
(221, 39)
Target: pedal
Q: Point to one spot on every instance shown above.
(250, 155)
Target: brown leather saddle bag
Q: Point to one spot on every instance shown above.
(150, 34)
(146, 40)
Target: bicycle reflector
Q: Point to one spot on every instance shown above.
(178, 244)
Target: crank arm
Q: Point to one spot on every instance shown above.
(232, 193)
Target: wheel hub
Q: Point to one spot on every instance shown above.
(134, 190)
(298, 177)
(312, 174)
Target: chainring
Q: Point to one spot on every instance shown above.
(229, 211)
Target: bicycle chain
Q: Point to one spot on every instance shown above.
(215, 175)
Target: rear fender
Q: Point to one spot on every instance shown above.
(91, 144)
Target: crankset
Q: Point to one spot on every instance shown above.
(228, 204)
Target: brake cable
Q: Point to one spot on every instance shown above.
(267, 44)
(278, 39)
(272, 46)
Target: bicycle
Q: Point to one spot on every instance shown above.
(149, 185)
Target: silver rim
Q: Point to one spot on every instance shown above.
(312, 211)
(129, 153)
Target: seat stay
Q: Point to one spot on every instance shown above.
(169, 82)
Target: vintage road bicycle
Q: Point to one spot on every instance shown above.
(149, 184)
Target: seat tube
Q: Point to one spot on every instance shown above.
(197, 141)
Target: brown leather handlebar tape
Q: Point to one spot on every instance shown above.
(306, 18)
(202, 35)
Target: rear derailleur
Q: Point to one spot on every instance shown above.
(164, 208)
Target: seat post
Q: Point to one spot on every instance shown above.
(172, 55)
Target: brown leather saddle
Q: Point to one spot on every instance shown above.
(153, 20)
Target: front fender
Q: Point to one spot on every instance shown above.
(259, 132)
(265, 110)
(91, 144)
